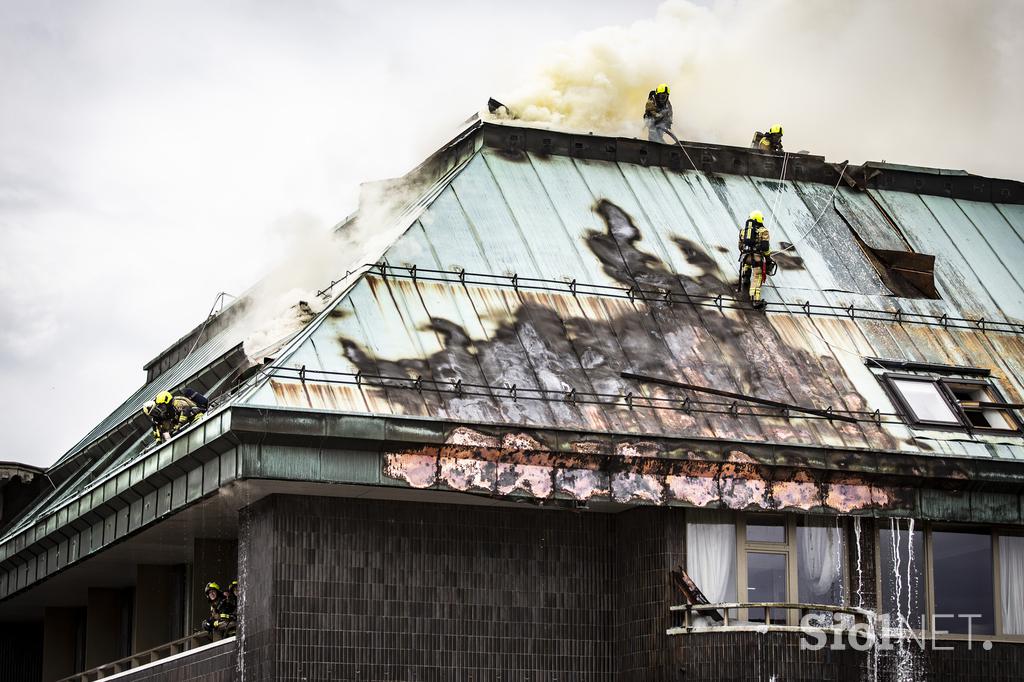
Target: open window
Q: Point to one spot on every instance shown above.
(945, 397)
(981, 405)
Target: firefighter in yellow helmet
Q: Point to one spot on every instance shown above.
(755, 257)
(162, 419)
(221, 619)
(170, 413)
(658, 114)
(770, 141)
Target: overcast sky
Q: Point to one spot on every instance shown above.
(153, 154)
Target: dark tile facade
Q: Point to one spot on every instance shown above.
(649, 542)
(21, 651)
(397, 591)
(215, 664)
(1003, 661)
(754, 657)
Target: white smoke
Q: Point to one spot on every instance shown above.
(924, 82)
(299, 287)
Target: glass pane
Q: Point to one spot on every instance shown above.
(820, 565)
(766, 529)
(963, 582)
(925, 400)
(711, 554)
(766, 582)
(901, 560)
(982, 418)
(1011, 574)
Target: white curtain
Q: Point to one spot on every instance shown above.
(1011, 573)
(819, 557)
(711, 554)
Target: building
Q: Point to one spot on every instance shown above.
(444, 474)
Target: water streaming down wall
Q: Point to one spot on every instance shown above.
(898, 653)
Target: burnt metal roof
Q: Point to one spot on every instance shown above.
(551, 263)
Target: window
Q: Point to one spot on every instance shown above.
(1011, 573)
(901, 574)
(711, 554)
(820, 569)
(974, 399)
(790, 558)
(962, 570)
(951, 579)
(953, 403)
(766, 529)
(766, 582)
(924, 401)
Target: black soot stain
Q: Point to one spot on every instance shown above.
(586, 343)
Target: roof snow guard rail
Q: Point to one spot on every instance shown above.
(668, 297)
(715, 158)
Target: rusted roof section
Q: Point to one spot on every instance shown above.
(534, 279)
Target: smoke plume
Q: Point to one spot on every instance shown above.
(299, 287)
(922, 82)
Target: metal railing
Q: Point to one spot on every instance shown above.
(654, 294)
(178, 646)
(841, 618)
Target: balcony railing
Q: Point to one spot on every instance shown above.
(840, 618)
(154, 655)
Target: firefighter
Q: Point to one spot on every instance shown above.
(162, 419)
(770, 141)
(229, 607)
(215, 598)
(658, 114)
(184, 410)
(755, 257)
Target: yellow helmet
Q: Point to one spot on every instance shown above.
(775, 129)
(663, 88)
(164, 397)
(147, 407)
(212, 586)
(757, 216)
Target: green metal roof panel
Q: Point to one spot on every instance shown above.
(517, 338)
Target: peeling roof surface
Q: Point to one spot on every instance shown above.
(513, 342)
(517, 285)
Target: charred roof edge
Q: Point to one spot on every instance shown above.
(716, 158)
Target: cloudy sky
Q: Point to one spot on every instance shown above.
(153, 154)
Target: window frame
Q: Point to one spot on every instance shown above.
(998, 532)
(928, 576)
(929, 566)
(787, 549)
(946, 384)
(943, 385)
